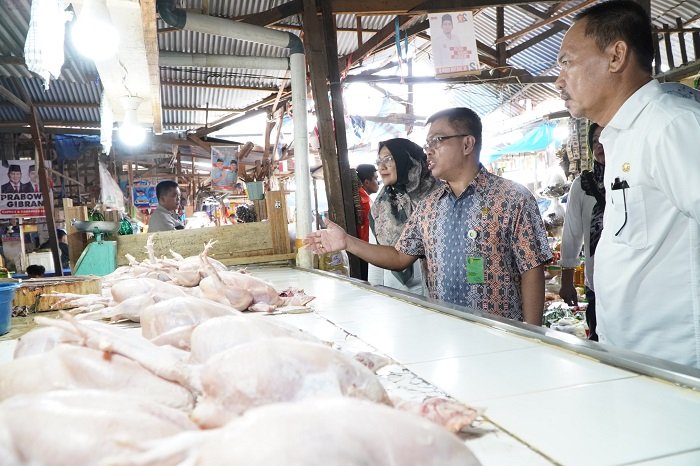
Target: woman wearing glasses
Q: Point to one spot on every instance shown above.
(403, 166)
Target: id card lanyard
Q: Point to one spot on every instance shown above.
(475, 261)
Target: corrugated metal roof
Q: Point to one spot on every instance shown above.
(79, 82)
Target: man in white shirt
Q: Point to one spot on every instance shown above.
(447, 49)
(583, 225)
(165, 217)
(647, 273)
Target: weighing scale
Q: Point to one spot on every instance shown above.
(99, 257)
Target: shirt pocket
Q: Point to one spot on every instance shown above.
(628, 210)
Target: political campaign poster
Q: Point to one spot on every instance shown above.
(20, 193)
(454, 43)
(224, 168)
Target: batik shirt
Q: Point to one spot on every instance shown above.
(494, 219)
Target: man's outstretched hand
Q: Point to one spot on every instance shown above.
(332, 239)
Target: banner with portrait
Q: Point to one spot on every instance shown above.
(224, 168)
(20, 193)
(454, 43)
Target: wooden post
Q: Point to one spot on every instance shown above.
(313, 43)
(277, 216)
(331, 41)
(46, 193)
(681, 41)
(23, 251)
(130, 174)
(669, 47)
(500, 33)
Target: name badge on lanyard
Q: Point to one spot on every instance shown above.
(475, 270)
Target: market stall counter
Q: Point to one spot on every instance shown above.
(569, 400)
(544, 397)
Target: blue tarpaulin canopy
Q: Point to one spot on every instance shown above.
(537, 139)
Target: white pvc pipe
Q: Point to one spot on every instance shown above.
(297, 65)
(302, 179)
(236, 30)
(222, 61)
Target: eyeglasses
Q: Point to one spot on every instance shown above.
(387, 161)
(435, 141)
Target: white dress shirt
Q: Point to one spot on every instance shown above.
(647, 275)
(577, 230)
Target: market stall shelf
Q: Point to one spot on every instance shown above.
(242, 243)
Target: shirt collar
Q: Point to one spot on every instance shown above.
(633, 106)
(479, 181)
(160, 207)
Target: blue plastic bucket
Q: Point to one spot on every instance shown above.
(7, 294)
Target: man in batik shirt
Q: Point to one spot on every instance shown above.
(482, 236)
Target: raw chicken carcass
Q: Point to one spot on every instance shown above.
(144, 286)
(164, 361)
(217, 335)
(241, 290)
(172, 321)
(43, 339)
(81, 427)
(450, 414)
(275, 370)
(69, 367)
(339, 431)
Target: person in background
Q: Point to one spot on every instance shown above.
(218, 174)
(403, 167)
(62, 238)
(35, 271)
(647, 266)
(14, 185)
(367, 174)
(165, 217)
(583, 225)
(482, 236)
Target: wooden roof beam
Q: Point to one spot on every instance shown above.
(417, 7)
(534, 40)
(373, 43)
(16, 101)
(217, 86)
(514, 76)
(545, 22)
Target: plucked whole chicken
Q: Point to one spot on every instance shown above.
(81, 427)
(68, 367)
(275, 370)
(338, 431)
(221, 333)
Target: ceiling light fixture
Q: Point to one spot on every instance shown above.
(131, 133)
(93, 34)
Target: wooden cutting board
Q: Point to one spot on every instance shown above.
(29, 294)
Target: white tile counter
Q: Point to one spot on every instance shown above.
(570, 408)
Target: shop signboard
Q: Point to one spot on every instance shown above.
(20, 193)
(224, 168)
(454, 43)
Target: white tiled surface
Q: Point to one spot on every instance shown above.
(508, 373)
(571, 409)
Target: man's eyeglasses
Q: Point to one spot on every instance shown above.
(435, 141)
(387, 161)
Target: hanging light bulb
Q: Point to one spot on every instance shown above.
(131, 133)
(93, 34)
